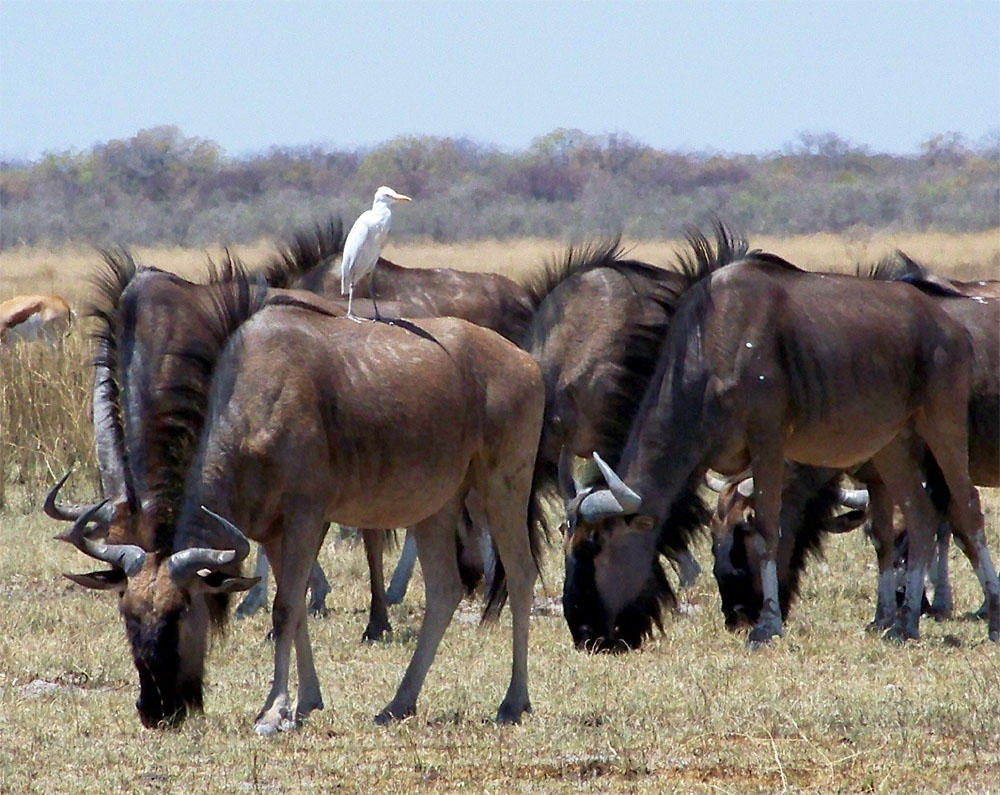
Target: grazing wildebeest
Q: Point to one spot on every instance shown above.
(597, 338)
(312, 418)
(31, 317)
(763, 362)
(146, 316)
(596, 335)
(981, 319)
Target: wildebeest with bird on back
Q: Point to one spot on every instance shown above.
(389, 426)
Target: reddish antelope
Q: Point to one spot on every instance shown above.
(31, 317)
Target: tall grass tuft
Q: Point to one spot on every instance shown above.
(45, 424)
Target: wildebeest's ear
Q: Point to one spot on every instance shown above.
(108, 580)
(641, 523)
(846, 522)
(215, 583)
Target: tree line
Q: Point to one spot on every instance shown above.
(162, 187)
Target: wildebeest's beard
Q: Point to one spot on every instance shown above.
(741, 601)
(596, 626)
(169, 687)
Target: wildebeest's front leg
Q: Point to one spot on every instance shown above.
(898, 470)
(768, 472)
(403, 571)
(883, 536)
(288, 616)
(437, 550)
(319, 589)
(378, 616)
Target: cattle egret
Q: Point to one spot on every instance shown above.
(364, 245)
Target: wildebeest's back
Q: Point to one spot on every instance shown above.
(362, 413)
(843, 356)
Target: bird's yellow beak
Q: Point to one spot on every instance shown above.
(401, 198)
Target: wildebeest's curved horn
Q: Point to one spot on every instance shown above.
(853, 498)
(567, 484)
(237, 540)
(600, 505)
(184, 564)
(128, 557)
(628, 500)
(716, 484)
(71, 512)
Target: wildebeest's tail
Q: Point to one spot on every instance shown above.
(537, 530)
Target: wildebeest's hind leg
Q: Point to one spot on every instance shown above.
(378, 615)
(256, 597)
(437, 550)
(506, 505)
(947, 441)
(289, 620)
(897, 467)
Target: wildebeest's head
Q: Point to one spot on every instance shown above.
(810, 497)
(168, 602)
(607, 535)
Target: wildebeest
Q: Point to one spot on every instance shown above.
(31, 317)
(596, 335)
(763, 362)
(312, 418)
(980, 317)
(148, 362)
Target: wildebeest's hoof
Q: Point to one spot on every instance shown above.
(376, 633)
(393, 713)
(319, 611)
(879, 626)
(982, 613)
(509, 714)
(265, 729)
(899, 634)
(940, 611)
(761, 636)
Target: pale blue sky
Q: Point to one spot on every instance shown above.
(732, 76)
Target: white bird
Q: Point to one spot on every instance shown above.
(364, 244)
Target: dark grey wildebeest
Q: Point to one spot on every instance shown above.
(811, 496)
(763, 362)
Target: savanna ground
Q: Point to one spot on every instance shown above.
(828, 708)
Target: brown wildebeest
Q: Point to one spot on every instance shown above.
(31, 317)
(312, 418)
(145, 317)
(763, 362)
(981, 319)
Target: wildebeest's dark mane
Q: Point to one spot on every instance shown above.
(899, 267)
(177, 423)
(290, 263)
(582, 257)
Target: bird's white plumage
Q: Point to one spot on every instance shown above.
(366, 238)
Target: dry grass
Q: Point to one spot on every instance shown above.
(829, 708)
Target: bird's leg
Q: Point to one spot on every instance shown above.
(350, 299)
(371, 293)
